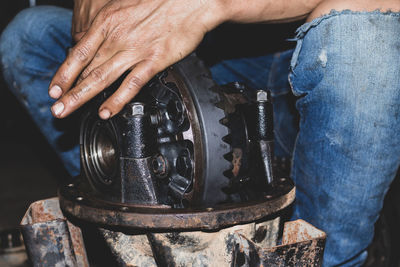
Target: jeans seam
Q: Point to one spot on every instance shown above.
(303, 29)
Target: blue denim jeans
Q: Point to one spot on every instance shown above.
(32, 47)
(338, 117)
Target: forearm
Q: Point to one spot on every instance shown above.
(266, 11)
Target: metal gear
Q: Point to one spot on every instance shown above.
(181, 155)
(189, 149)
(203, 93)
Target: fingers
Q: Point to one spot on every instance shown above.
(78, 58)
(77, 36)
(131, 85)
(98, 79)
(100, 57)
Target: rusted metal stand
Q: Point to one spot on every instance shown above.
(52, 240)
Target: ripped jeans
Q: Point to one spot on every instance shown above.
(337, 116)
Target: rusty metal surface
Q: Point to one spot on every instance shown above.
(74, 202)
(267, 232)
(49, 238)
(195, 248)
(254, 244)
(302, 245)
(130, 250)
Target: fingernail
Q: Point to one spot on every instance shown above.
(104, 114)
(57, 108)
(55, 91)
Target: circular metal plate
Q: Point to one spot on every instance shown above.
(75, 202)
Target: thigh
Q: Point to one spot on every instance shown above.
(32, 47)
(346, 72)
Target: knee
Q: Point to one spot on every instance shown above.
(358, 50)
(346, 68)
(25, 25)
(26, 29)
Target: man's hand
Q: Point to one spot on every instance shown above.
(84, 13)
(145, 37)
(142, 36)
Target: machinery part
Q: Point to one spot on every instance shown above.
(249, 116)
(302, 245)
(174, 117)
(264, 135)
(158, 217)
(253, 244)
(184, 154)
(207, 248)
(50, 239)
(129, 250)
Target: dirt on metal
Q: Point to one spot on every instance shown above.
(50, 239)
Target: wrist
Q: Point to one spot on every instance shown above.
(241, 11)
(228, 9)
(215, 13)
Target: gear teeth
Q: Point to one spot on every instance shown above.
(227, 139)
(224, 121)
(228, 156)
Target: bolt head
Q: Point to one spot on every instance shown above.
(262, 96)
(136, 108)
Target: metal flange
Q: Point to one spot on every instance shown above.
(75, 202)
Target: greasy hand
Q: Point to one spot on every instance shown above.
(143, 36)
(83, 15)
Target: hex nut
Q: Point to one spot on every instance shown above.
(159, 164)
